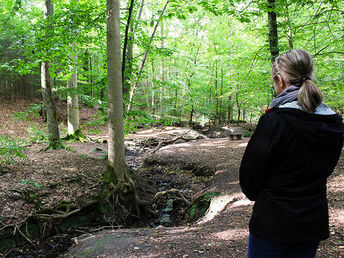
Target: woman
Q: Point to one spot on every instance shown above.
(295, 147)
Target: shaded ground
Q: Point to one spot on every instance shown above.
(223, 232)
(66, 179)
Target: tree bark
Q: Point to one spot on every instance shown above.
(46, 85)
(238, 107)
(216, 97)
(127, 50)
(116, 155)
(289, 31)
(222, 115)
(273, 36)
(73, 102)
(230, 109)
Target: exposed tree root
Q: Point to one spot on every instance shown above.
(77, 136)
(123, 195)
(54, 146)
(162, 193)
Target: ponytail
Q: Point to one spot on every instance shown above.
(309, 96)
(296, 68)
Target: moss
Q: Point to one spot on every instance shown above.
(77, 136)
(201, 205)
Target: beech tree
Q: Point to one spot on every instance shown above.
(73, 103)
(273, 36)
(117, 173)
(46, 84)
(210, 58)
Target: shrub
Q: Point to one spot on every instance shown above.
(11, 149)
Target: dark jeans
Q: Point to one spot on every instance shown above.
(258, 247)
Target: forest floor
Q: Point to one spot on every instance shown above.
(62, 180)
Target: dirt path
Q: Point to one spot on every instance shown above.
(223, 232)
(63, 179)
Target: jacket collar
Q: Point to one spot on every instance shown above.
(322, 109)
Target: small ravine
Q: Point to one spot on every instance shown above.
(28, 240)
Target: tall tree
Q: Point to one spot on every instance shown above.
(46, 84)
(273, 36)
(73, 101)
(72, 98)
(116, 156)
(127, 49)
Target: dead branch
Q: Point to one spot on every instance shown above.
(174, 140)
(8, 253)
(16, 228)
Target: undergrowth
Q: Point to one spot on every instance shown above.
(11, 149)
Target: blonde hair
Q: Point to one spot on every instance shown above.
(296, 68)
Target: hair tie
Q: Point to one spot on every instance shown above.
(303, 79)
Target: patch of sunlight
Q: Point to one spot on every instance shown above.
(173, 234)
(240, 203)
(242, 144)
(184, 144)
(145, 131)
(150, 255)
(335, 184)
(337, 215)
(181, 230)
(217, 205)
(70, 169)
(232, 234)
(220, 171)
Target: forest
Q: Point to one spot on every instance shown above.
(117, 114)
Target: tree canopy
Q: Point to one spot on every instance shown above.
(184, 60)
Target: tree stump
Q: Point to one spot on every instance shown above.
(235, 136)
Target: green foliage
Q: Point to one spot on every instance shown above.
(201, 205)
(11, 149)
(34, 109)
(77, 136)
(104, 156)
(65, 206)
(37, 135)
(206, 55)
(246, 133)
(135, 119)
(30, 182)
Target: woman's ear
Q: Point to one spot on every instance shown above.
(281, 82)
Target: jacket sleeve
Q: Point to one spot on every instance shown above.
(259, 155)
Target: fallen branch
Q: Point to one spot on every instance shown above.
(59, 216)
(174, 140)
(16, 228)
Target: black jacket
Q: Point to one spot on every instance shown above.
(285, 169)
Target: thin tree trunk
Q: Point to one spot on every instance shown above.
(221, 93)
(116, 156)
(73, 101)
(216, 97)
(289, 32)
(230, 109)
(132, 90)
(273, 36)
(191, 114)
(127, 39)
(46, 85)
(238, 107)
(175, 98)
